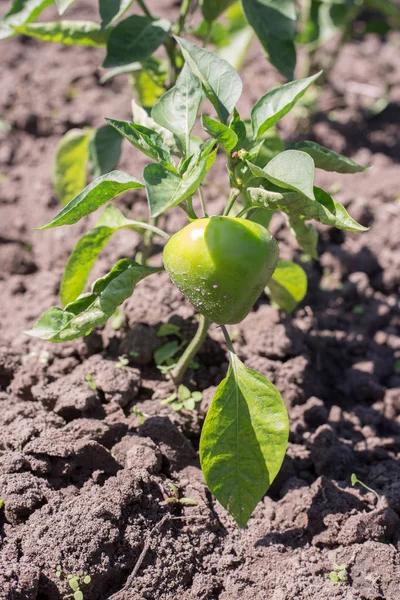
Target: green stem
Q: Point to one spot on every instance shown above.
(147, 239)
(145, 9)
(234, 193)
(151, 227)
(183, 363)
(228, 339)
(202, 201)
(185, 8)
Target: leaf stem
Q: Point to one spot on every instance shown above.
(185, 8)
(202, 201)
(145, 9)
(234, 193)
(151, 227)
(228, 339)
(183, 363)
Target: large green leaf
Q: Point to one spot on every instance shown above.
(145, 139)
(244, 439)
(135, 39)
(94, 309)
(165, 189)
(69, 171)
(305, 234)
(288, 285)
(70, 33)
(291, 169)
(104, 150)
(97, 193)
(21, 12)
(220, 132)
(62, 5)
(220, 81)
(177, 109)
(274, 105)
(212, 9)
(87, 250)
(323, 209)
(112, 10)
(328, 159)
(274, 22)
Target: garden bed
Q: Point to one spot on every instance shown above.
(83, 479)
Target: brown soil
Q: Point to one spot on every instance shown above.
(82, 480)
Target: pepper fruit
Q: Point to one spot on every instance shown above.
(221, 265)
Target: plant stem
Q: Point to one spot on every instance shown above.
(183, 363)
(151, 227)
(202, 202)
(147, 239)
(185, 8)
(234, 193)
(145, 9)
(228, 339)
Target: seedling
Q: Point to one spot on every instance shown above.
(183, 398)
(221, 263)
(140, 415)
(91, 381)
(122, 362)
(339, 575)
(75, 582)
(355, 480)
(173, 497)
(1, 504)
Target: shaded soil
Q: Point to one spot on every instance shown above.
(83, 480)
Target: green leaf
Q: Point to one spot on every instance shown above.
(166, 351)
(328, 159)
(220, 81)
(97, 193)
(69, 171)
(323, 209)
(111, 11)
(62, 5)
(291, 169)
(220, 132)
(135, 39)
(184, 392)
(141, 117)
(177, 109)
(150, 81)
(21, 12)
(238, 126)
(274, 22)
(269, 109)
(212, 9)
(87, 250)
(165, 189)
(70, 33)
(73, 583)
(78, 595)
(305, 234)
(92, 310)
(145, 139)
(244, 439)
(236, 51)
(104, 150)
(288, 285)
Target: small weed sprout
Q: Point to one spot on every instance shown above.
(339, 574)
(75, 582)
(355, 480)
(183, 398)
(173, 497)
(139, 414)
(1, 504)
(91, 381)
(122, 362)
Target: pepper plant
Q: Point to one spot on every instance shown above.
(221, 263)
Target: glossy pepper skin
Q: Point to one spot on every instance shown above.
(221, 265)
